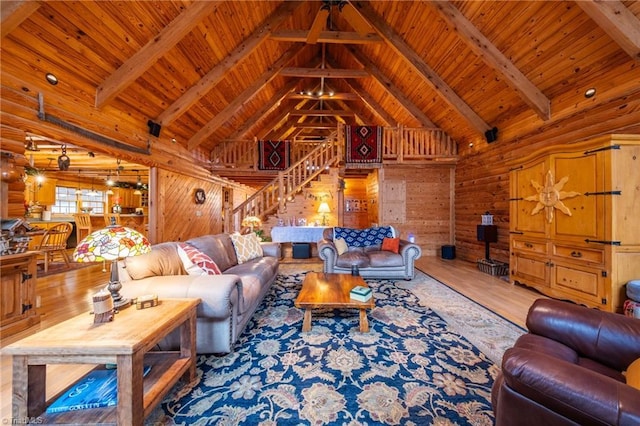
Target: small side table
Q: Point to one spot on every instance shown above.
(488, 234)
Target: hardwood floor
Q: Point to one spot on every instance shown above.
(69, 294)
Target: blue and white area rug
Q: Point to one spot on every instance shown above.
(412, 368)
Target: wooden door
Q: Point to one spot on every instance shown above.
(525, 183)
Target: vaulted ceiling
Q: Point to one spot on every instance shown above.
(208, 72)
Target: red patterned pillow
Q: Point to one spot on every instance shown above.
(391, 244)
(196, 262)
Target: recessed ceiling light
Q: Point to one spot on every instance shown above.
(52, 79)
(590, 93)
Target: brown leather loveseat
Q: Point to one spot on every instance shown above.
(568, 370)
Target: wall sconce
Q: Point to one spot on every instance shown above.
(324, 209)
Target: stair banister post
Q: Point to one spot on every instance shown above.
(281, 191)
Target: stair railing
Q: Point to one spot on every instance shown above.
(273, 196)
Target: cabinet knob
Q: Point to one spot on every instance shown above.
(576, 254)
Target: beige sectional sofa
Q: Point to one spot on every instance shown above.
(228, 300)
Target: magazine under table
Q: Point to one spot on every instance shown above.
(127, 342)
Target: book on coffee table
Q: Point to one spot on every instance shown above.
(361, 294)
(97, 389)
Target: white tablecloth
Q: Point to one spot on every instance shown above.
(297, 234)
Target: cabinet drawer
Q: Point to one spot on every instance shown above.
(530, 270)
(529, 246)
(583, 284)
(579, 253)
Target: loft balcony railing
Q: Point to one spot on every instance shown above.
(400, 145)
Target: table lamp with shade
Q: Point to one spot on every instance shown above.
(324, 209)
(110, 244)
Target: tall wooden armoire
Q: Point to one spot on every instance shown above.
(575, 220)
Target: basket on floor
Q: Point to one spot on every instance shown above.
(493, 267)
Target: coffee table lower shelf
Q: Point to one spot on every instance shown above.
(166, 369)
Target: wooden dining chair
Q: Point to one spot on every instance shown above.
(54, 241)
(111, 219)
(83, 225)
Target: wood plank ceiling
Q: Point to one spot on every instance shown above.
(214, 71)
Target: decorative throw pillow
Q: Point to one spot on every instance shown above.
(363, 237)
(633, 374)
(341, 245)
(247, 247)
(391, 244)
(196, 262)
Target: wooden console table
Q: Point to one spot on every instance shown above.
(18, 307)
(127, 342)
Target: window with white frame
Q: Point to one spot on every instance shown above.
(94, 200)
(65, 201)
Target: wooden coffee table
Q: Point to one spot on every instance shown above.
(126, 342)
(321, 290)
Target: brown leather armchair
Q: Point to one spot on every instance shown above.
(569, 369)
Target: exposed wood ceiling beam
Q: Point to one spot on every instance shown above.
(278, 121)
(270, 106)
(321, 112)
(244, 49)
(12, 13)
(617, 21)
(428, 75)
(371, 103)
(319, 22)
(335, 96)
(391, 88)
(158, 46)
(347, 107)
(315, 126)
(246, 95)
(329, 37)
(323, 73)
(356, 20)
(493, 57)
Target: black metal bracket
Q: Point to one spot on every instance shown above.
(610, 243)
(603, 193)
(604, 148)
(26, 277)
(25, 308)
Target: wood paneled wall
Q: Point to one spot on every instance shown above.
(428, 203)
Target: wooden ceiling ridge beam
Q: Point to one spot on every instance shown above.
(322, 112)
(617, 21)
(245, 96)
(279, 121)
(266, 109)
(325, 97)
(342, 105)
(244, 49)
(428, 75)
(329, 37)
(493, 57)
(323, 73)
(391, 88)
(13, 13)
(155, 48)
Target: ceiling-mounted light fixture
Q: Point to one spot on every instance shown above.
(109, 181)
(590, 92)
(51, 78)
(31, 145)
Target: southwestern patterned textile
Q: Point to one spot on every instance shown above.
(412, 368)
(363, 237)
(274, 155)
(364, 144)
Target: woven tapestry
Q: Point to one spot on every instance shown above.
(273, 155)
(364, 144)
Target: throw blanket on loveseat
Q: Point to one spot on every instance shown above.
(363, 237)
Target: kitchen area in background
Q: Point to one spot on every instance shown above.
(62, 180)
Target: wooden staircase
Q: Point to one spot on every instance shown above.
(273, 196)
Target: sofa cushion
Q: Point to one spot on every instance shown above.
(163, 259)
(341, 246)
(391, 244)
(353, 257)
(363, 237)
(384, 258)
(218, 247)
(247, 247)
(196, 262)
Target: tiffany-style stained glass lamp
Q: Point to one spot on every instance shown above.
(110, 244)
